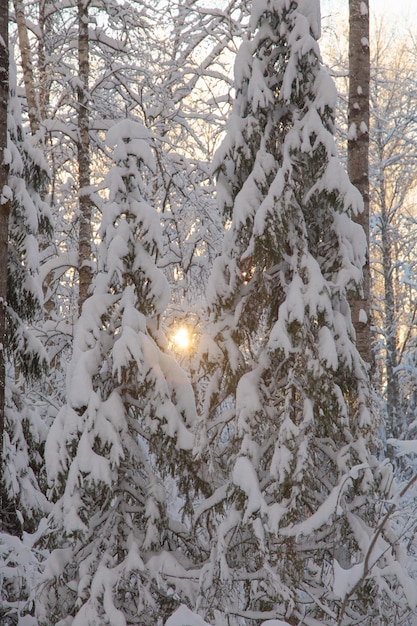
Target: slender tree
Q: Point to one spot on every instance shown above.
(296, 510)
(358, 154)
(85, 272)
(27, 66)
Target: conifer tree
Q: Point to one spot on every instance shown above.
(29, 219)
(296, 512)
(22, 484)
(125, 426)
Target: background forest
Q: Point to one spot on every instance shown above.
(207, 388)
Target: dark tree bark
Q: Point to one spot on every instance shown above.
(358, 151)
(84, 165)
(4, 212)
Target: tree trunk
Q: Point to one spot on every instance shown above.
(358, 150)
(44, 77)
(396, 423)
(84, 165)
(33, 108)
(4, 213)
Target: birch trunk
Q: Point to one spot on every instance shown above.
(24, 45)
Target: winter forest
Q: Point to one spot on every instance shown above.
(208, 314)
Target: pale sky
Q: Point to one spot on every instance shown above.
(402, 13)
(390, 8)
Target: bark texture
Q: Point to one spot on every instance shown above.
(358, 151)
(84, 165)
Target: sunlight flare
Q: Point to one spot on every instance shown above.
(182, 338)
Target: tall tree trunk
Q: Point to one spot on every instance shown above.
(358, 151)
(44, 77)
(4, 213)
(396, 423)
(24, 45)
(84, 165)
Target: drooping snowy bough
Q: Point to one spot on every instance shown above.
(288, 431)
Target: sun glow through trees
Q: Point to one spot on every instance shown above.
(182, 338)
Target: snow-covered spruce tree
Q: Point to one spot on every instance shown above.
(124, 428)
(23, 501)
(25, 356)
(297, 513)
